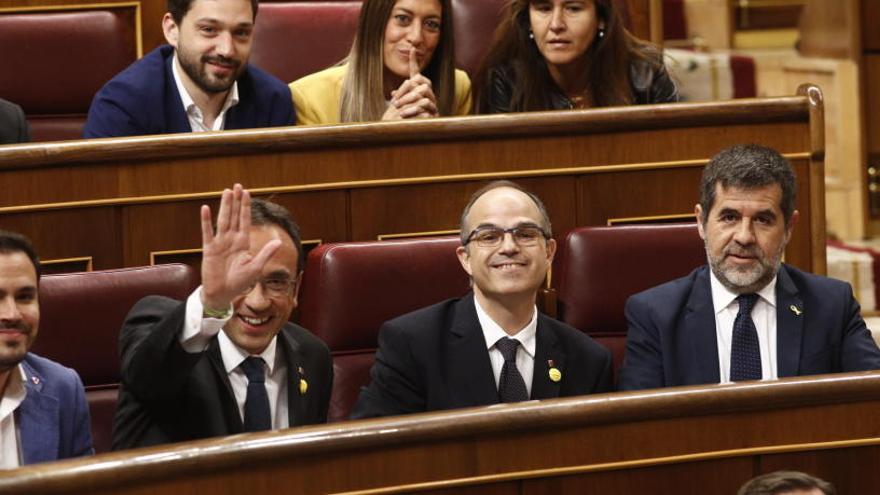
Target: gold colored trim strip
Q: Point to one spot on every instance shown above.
(363, 184)
(61, 261)
(410, 235)
(616, 466)
(154, 254)
(311, 242)
(628, 220)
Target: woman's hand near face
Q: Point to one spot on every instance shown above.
(414, 98)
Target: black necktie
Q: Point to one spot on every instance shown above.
(511, 386)
(257, 415)
(745, 352)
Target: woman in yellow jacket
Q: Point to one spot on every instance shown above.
(401, 66)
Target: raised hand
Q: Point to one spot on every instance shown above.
(228, 267)
(415, 97)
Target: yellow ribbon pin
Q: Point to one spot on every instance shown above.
(555, 374)
(303, 386)
(794, 309)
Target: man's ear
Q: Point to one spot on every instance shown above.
(170, 29)
(791, 222)
(464, 258)
(698, 212)
(551, 250)
(296, 287)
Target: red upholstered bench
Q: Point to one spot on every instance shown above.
(55, 60)
(597, 268)
(80, 318)
(350, 289)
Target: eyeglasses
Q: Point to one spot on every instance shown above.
(524, 235)
(273, 287)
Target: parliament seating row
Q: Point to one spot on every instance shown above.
(294, 38)
(350, 289)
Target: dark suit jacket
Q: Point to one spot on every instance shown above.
(143, 99)
(436, 358)
(671, 339)
(169, 395)
(53, 419)
(13, 125)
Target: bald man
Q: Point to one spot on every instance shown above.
(493, 345)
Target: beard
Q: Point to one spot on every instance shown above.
(745, 279)
(12, 353)
(195, 67)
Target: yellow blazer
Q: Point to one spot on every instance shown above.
(316, 96)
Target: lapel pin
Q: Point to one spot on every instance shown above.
(36, 380)
(303, 384)
(794, 309)
(555, 374)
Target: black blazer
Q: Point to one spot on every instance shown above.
(436, 358)
(13, 125)
(169, 395)
(671, 336)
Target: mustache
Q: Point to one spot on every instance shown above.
(737, 250)
(221, 60)
(18, 325)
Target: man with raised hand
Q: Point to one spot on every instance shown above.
(226, 360)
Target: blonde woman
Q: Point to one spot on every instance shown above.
(401, 66)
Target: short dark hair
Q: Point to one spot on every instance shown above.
(179, 8)
(265, 213)
(10, 242)
(545, 219)
(785, 481)
(748, 166)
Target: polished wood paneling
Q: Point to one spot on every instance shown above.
(363, 181)
(613, 442)
(870, 35)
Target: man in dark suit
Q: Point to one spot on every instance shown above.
(493, 345)
(226, 360)
(200, 81)
(13, 125)
(746, 316)
(43, 411)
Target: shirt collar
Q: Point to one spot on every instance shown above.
(492, 331)
(234, 355)
(722, 297)
(189, 105)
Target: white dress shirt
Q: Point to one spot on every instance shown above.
(764, 316)
(10, 453)
(197, 334)
(525, 353)
(193, 112)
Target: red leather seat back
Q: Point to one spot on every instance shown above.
(80, 318)
(598, 268)
(55, 61)
(474, 23)
(350, 289)
(294, 39)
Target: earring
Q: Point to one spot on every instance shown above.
(601, 33)
(531, 35)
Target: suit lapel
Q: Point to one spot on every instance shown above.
(227, 399)
(789, 325)
(546, 351)
(700, 360)
(37, 418)
(296, 412)
(471, 380)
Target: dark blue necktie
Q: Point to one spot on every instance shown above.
(745, 352)
(511, 386)
(257, 415)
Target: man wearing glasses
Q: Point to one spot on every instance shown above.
(183, 378)
(492, 345)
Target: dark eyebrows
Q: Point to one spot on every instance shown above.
(279, 274)
(214, 22)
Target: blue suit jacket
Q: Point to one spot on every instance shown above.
(143, 99)
(671, 336)
(53, 419)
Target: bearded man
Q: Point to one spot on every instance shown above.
(200, 81)
(747, 316)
